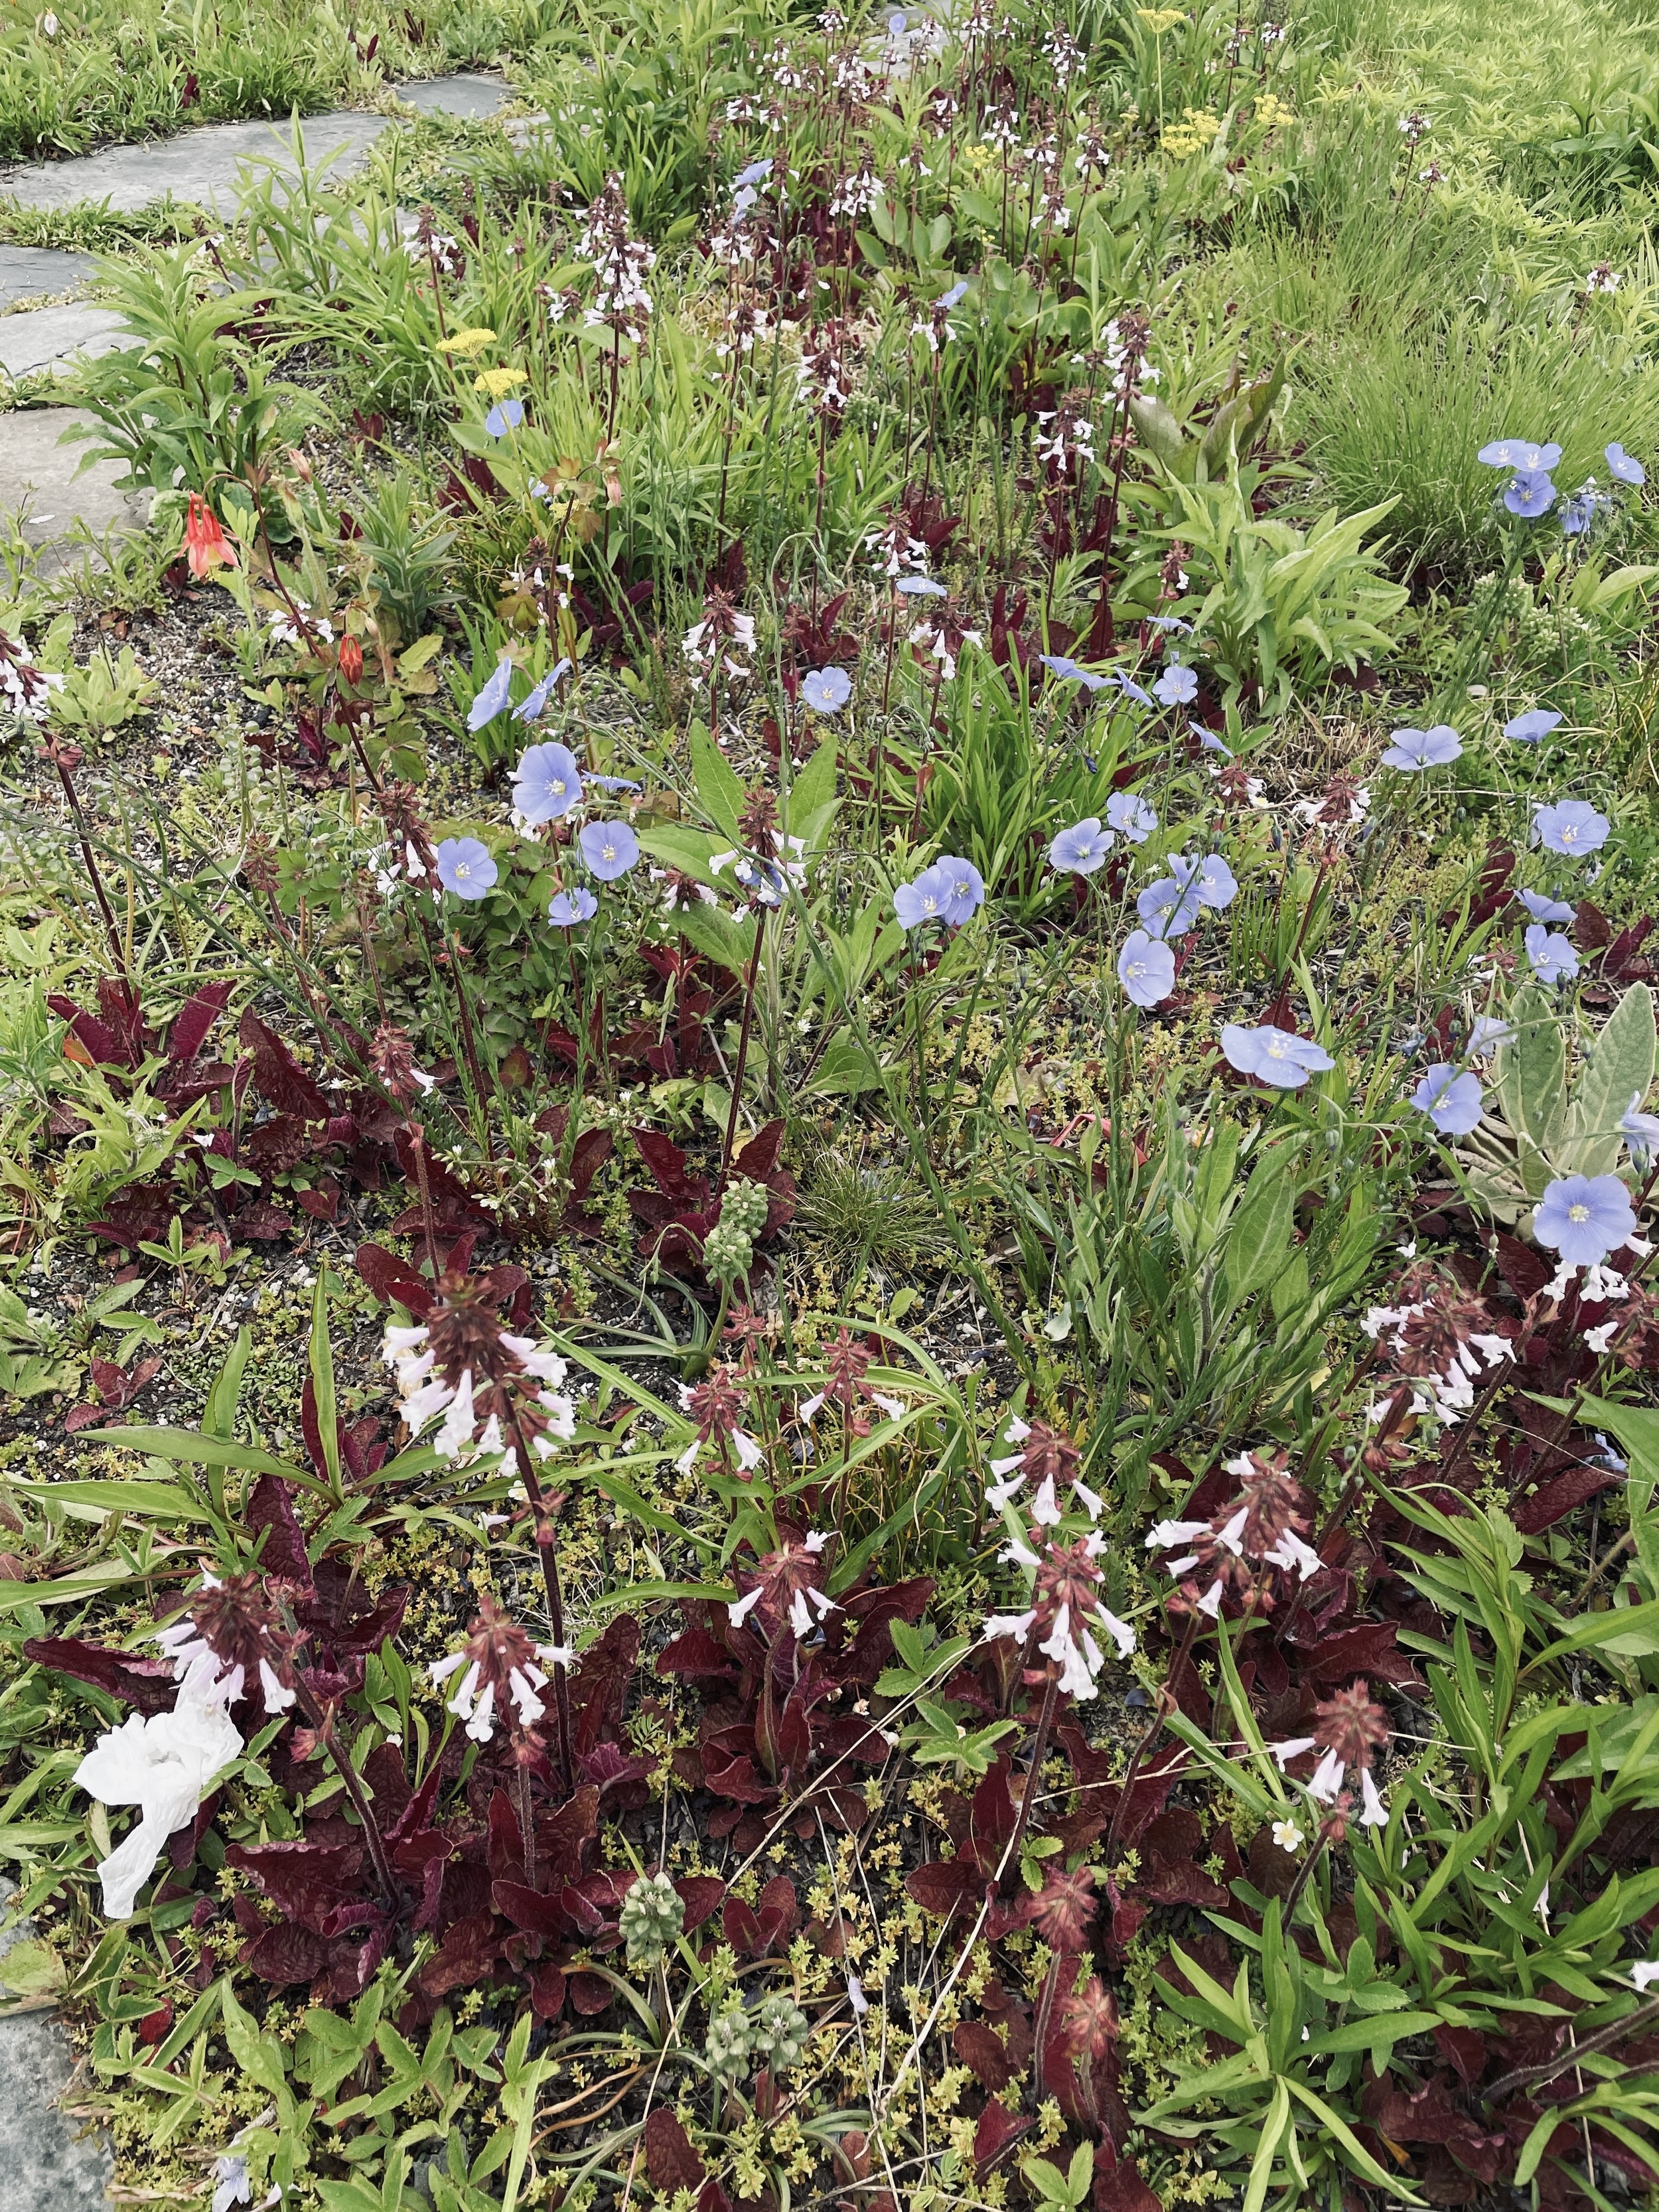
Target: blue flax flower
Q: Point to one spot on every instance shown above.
(1572, 826)
(1274, 1055)
(1081, 849)
(1450, 1099)
(567, 908)
(1529, 494)
(1527, 729)
(920, 587)
(967, 888)
(827, 690)
(1177, 686)
(1131, 816)
(505, 415)
(465, 867)
(547, 783)
(1640, 1131)
(492, 695)
(528, 708)
(1146, 968)
(1584, 1218)
(609, 849)
(928, 899)
(1412, 750)
(1542, 908)
(1518, 454)
(1627, 469)
(1061, 666)
(1553, 958)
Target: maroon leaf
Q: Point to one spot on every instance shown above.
(699, 1893)
(759, 1157)
(547, 1987)
(997, 2133)
(277, 1076)
(467, 1954)
(97, 1039)
(304, 1880)
(589, 1994)
(263, 1221)
(1464, 2049)
(981, 2049)
(1118, 2185)
(533, 1910)
(194, 1019)
(695, 1652)
(1562, 1496)
(667, 1164)
(1520, 1266)
(282, 1555)
(943, 1887)
(599, 1688)
(392, 1280)
(286, 1953)
(146, 1684)
(671, 2161)
(1171, 1848)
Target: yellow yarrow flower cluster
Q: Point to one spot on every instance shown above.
(1271, 113)
(466, 344)
(498, 382)
(1159, 20)
(1191, 135)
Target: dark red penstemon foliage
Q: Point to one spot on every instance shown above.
(785, 1675)
(682, 1209)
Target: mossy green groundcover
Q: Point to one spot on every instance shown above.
(827, 1124)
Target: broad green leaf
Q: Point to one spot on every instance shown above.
(1618, 1073)
(1258, 1236)
(720, 791)
(1530, 1071)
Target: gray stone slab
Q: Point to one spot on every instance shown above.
(37, 474)
(199, 166)
(472, 98)
(47, 2163)
(52, 337)
(31, 272)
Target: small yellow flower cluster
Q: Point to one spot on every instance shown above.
(498, 382)
(466, 344)
(1272, 113)
(1159, 20)
(1191, 135)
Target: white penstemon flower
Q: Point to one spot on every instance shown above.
(164, 1765)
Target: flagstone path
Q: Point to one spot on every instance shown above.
(36, 472)
(47, 2162)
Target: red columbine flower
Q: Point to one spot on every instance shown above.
(205, 541)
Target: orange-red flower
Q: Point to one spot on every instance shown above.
(205, 545)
